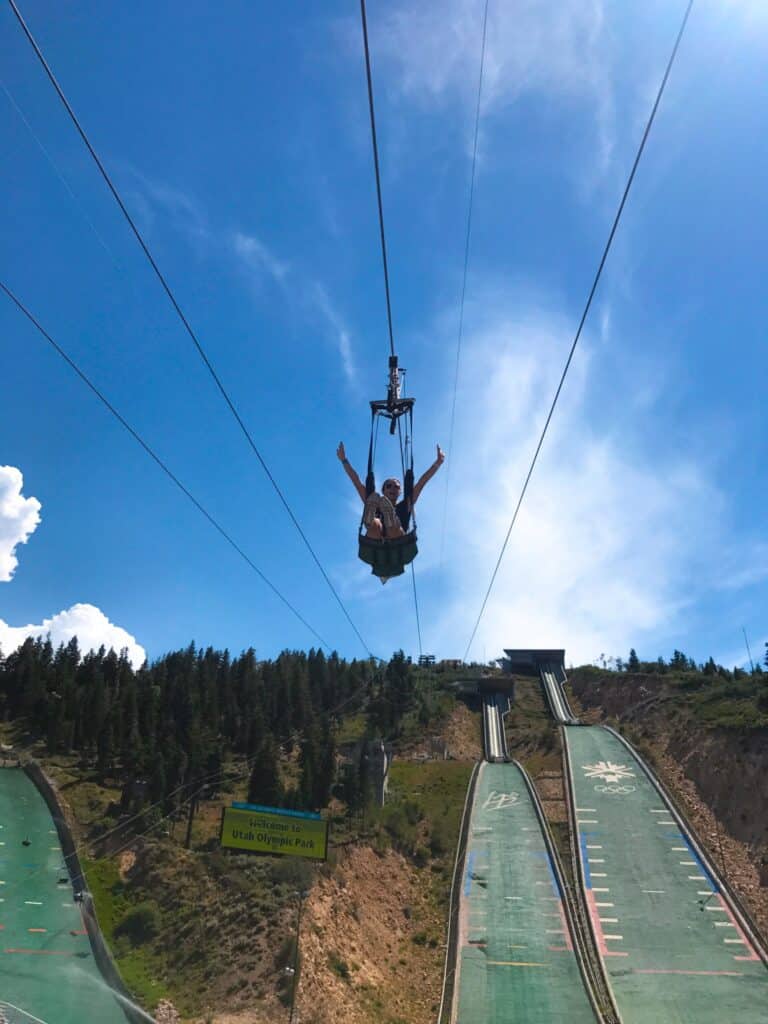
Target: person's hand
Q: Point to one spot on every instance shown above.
(440, 456)
(340, 452)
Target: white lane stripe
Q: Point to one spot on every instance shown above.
(609, 920)
(599, 874)
(586, 810)
(679, 849)
(603, 904)
(619, 938)
(662, 811)
(735, 942)
(723, 924)
(34, 903)
(665, 823)
(596, 860)
(704, 892)
(715, 910)
(593, 847)
(659, 892)
(688, 863)
(696, 878)
(587, 821)
(596, 889)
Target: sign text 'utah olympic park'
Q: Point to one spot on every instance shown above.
(255, 829)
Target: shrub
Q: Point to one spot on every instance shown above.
(140, 924)
(339, 966)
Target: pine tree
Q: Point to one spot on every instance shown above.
(633, 662)
(264, 786)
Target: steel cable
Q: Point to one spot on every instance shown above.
(592, 291)
(182, 317)
(102, 398)
(464, 282)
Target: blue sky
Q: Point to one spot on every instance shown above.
(240, 142)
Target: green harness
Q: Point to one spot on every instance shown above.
(388, 557)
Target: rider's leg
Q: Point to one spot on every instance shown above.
(375, 530)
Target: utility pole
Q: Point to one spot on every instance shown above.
(749, 653)
(192, 809)
(295, 977)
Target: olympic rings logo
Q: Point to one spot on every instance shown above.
(619, 790)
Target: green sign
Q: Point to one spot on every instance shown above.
(274, 832)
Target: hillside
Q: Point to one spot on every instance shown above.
(213, 933)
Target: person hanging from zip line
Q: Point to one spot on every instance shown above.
(384, 516)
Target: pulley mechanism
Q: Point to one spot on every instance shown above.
(394, 406)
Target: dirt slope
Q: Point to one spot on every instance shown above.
(369, 947)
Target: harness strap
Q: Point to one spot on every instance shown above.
(408, 479)
(370, 480)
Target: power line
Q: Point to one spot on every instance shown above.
(378, 175)
(23, 309)
(182, 317)
(464, 280)
(586, 311)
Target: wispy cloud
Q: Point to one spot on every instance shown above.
(319, 298)
(254, 260)
(150, 196)
(257, 258)
(611, 539)
(554, 50)
(19, 518)
(85, 621)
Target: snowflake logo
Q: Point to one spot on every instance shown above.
(608, 771)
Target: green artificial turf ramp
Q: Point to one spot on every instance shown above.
(47, 968)
(672, 949)
(515, 961)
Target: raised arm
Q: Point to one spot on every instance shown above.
(350, 471)
(419, 487)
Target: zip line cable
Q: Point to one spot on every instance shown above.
(182, 317)
(584, 314)
(378, 175)
(23, 309)
(58, 172)
(369, 80)
(464, 281)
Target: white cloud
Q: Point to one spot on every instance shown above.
(320, 299)
(609, 544)
(181, 207)
(556, 50)
(89, 624)
(257, 258)
(19, 518)
(254, 259)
